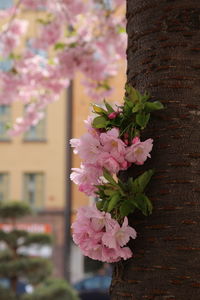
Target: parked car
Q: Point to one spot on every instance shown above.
(95, 287)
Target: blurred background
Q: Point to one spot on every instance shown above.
(35, 168)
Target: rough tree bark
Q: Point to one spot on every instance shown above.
(164, 59)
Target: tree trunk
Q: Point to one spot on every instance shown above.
(164, 59)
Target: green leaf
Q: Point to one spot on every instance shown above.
(133, 94)
(43, 22)
(151, 106)
(121, 29)
(126, 208)
(100, 122)
(105, 205)
(138, 107)
(109, 192)
(109, 107)
(99, 204)
(12, 56)
(104, 85)
(149, 205)
(145, 97)
(72, 45)
(140, 183)
(113, 202)
(129, 184)
(8, 125)
(59, 46)
(109, 177)
(142, 119)
(143, 203)
(98, 109)
(128, 106)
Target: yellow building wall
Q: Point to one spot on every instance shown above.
(19, 156)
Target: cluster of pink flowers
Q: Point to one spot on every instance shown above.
(11, 36)
(94, 45)
(101, 237)
(105, 150)
(87, 177)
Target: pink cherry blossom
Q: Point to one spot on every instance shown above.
(90, 212)
(18, 27)
(8, 13)
(75, 143)
(34, 4)
(107, 161)
(112, 143)
(88, 147)
(101, 237)
(118, 236)
(9, 43)
(49, 36)
(22, 125)
(124, 165)
(86, 177)
(93, 131)
(11, 35)
(139, 151)
(126, 253)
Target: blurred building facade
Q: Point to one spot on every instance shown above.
(33, 166)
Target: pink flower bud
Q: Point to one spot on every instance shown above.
(126, 135)
(136, 140)
(113, 115)
(126, 142)
(124, 165)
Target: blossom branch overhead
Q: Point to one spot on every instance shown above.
(86, 36)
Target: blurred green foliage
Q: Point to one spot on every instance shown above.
(35, 270)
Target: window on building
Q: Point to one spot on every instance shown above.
(4, 186)
(34, 189)
(36, 133)
(6, 4)
(4, 120)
